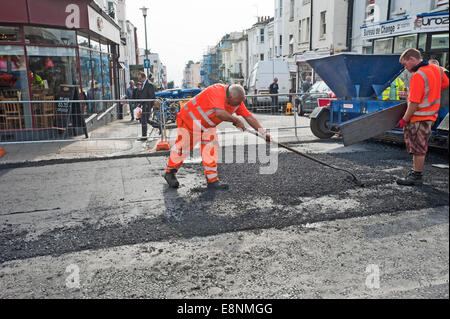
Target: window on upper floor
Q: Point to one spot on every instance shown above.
(291, 45)
(261, 35)
(323, 24)
(292, 9)
(307, 26)
(281, 45)
(300, 29)
(281, 8)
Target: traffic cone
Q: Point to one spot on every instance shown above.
(289, 109)
(163, 146)
(2, 151)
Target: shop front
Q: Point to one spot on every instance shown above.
(41, 59)
(426, 32)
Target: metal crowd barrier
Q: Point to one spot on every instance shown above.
(70, 120)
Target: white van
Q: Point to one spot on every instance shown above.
(262, 77)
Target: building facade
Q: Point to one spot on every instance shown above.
(46, 45)
(260, 42)
(239, 58)
(386, 27)
(210, 67)
(322, 29)
(191, 75)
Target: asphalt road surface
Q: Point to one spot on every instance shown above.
(113, 229)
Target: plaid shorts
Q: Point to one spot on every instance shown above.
(416, 136)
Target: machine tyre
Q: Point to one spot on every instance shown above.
(318, 126)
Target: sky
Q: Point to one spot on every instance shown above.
(182, 30)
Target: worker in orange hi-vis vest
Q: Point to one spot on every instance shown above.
(424, 101)
(197, 121)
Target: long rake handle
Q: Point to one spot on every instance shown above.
(355, 179)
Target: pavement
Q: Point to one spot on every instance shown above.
(118, 139)
(287, 228)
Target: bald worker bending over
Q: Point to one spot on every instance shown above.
(197, 122)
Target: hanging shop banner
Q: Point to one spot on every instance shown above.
(433, 22)
(387, 29)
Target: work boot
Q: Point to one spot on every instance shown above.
(413, 179)
(171, 179)
(218, 187)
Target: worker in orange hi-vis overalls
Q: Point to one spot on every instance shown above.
(197, 121)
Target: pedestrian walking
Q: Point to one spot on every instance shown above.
(130, 93)
(426, 85)
(146, 93)
(273, 89)
(197, 121)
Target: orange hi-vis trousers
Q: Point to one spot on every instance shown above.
(186, 141)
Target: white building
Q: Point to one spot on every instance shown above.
(239, 55)
(259, 42)
(318, 28)
(278, 29)
(191, 75)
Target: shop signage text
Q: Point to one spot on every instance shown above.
(431, 23)
(417, 24)
(386, 29)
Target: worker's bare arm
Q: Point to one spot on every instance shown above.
(227, 117)
(253, 122)
(412, 107)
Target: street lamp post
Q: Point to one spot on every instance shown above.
(144, 13)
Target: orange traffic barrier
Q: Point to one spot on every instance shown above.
(2, 151)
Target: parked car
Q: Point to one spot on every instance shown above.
(307, 102)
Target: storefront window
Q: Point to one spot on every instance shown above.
(104, 48)
(98, 83)
(422, 41)
(85, 69)
(10, 34)
(106, 77)
(405, 42)
(14, 87)
(50, 70)
(439, 41)
(49, 36)
(83, 41)
(95, 45)
(383, 46)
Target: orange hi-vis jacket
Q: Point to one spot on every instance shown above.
(425, 89)
(201, 110)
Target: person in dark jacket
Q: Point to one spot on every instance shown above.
(147, 92)
(130, 92)
(273, 89)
